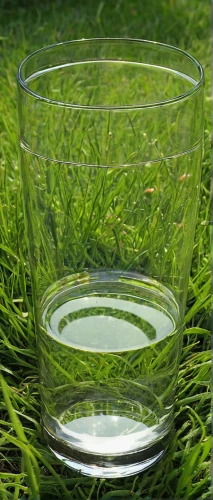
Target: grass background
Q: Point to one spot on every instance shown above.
(27, 469)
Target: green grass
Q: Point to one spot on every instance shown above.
(27, 468)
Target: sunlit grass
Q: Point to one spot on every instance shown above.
(26, 465)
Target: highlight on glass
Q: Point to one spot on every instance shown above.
(111, 137)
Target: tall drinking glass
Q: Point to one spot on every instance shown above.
(111, 148)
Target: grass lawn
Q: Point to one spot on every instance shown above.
(27, 468)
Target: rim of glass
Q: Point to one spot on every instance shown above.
(180, 97)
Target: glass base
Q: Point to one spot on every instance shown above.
(109, 466)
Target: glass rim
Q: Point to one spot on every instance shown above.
(181, 97)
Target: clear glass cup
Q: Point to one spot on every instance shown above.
(111, 137)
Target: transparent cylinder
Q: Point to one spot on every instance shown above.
(111, 137)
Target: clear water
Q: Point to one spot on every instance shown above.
(109, 354)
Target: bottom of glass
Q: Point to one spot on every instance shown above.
(109, 466)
